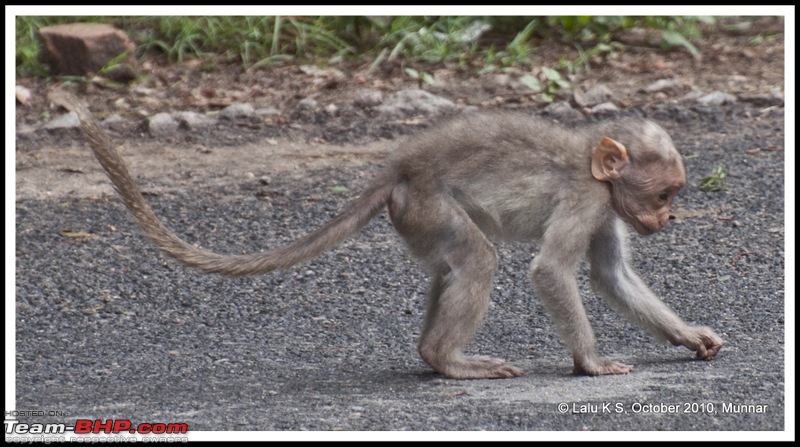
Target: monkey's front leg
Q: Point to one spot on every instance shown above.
(559, 292)
(628, 294)
(553, 274)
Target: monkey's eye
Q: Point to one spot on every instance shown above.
(663, 197)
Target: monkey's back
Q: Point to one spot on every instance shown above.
(496, 164)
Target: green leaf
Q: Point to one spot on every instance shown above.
(562, 84)
(551, 74)
(531, 82)
(673, 38)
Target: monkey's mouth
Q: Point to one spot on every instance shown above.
(644, 230)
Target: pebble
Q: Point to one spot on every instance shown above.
(237, 110)
(368, 98)
(663, 85)
(605, 107)
(193, 120)
(416, 101)
(598, 94)
(65, 121)
(716, 98)
(162, 124)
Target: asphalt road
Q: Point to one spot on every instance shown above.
(108, 328)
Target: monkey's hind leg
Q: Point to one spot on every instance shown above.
(462, 262)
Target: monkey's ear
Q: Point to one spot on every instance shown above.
(607, 159)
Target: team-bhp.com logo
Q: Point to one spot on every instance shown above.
(97, 426)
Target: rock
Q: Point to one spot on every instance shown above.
(58, 97)
(692, 96)
(192, 120)
(267, 111)
(327, 72)
(331, 109)
(663, 85)
(501, 82)
(716, 99)
(144, 91)
(122, 103)
(738, 79)
(113, 120)
(65, 121)
(307, 103)
(328, 77)
(237, 110)
(416, 101)
(84, 48)
(367, 98)
(24, 95)
(763, 99)
(560, 108)
(605, 107)
(162, 124)
(594, 96)
(25, 129)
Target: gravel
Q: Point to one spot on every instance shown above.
(108, 328)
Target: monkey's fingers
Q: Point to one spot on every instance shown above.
(709, 348)
(704, 342)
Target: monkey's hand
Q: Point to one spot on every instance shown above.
(700, 339)
(597, 367)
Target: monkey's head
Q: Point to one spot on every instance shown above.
(644, 180)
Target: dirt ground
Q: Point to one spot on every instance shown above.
(745, 62)
(107, 328)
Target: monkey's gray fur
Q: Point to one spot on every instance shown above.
(482, 176)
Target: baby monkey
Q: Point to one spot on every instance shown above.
(497, 175)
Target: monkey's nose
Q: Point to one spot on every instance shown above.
(664, 220)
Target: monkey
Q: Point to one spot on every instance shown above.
(492, 176)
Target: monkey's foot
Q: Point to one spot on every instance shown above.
(478, 367)
(600, 367)
(700, 339)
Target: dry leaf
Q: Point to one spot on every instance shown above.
(77, 234)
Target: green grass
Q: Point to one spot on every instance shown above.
(717, 181)
(480, 43)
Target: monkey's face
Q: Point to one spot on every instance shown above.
(643, 195)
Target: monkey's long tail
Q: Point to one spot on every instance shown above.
(348, 222)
